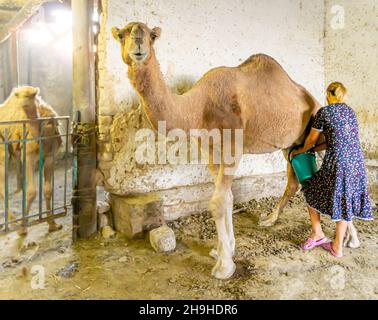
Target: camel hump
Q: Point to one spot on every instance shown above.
(260, 61)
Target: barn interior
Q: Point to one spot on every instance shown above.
(103, 250)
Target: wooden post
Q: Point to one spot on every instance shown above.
(84, 129)
(14, 58)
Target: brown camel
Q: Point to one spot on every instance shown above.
(257, 96)
(24, 103)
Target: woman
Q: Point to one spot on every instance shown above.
(339, 189)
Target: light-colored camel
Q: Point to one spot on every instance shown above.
(24, 103)
(257, 96)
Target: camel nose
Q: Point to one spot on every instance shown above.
(137, 34)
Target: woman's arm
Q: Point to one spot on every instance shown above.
(310, 142)
(321, 147)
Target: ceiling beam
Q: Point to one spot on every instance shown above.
(20, 17)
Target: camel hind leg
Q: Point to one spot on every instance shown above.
(351, 238)
(292, 187)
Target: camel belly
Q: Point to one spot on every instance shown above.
(272, 132)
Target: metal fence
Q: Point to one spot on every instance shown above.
(25, 148)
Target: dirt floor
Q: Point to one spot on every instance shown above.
(270, 264)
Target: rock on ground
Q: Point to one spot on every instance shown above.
(107, 232)
(163, 239)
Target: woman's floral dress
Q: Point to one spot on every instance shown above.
(340, 189)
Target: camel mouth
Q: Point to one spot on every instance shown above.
(139, 55)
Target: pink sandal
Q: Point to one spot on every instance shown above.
(311, 243)
(328, 246)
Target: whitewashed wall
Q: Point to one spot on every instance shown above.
(351, 56)
(198, 35)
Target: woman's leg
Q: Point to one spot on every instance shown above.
(316, 228)
(341, 228)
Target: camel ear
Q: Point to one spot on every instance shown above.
(116, 33)
(155, 34)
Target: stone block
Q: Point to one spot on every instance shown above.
(135, 214)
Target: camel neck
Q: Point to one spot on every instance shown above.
(159, 103)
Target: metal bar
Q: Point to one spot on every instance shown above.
(66, 162)
(27, 218)
(40, 168)
(32, 120)
(44, 213)
(32, 223)
(24, 175)
(53, 173)
(32, 139)
(6, 190)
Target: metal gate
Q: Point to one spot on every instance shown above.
(28, 147)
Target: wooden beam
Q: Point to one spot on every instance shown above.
(24, 14)
(84, 114)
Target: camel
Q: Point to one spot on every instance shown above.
(24, 103)
(257, 96)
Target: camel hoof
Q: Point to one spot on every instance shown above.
(267, 222)
(214, 252)
(55, 227)
(224, 273)
(353, 243)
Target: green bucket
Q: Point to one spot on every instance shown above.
(304, 165)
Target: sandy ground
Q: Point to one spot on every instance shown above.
(270, 264)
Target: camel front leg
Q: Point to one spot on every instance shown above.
(48, 170)
(214, 171)
(31, 192)
(225, 266)
(292, 187)
(351, 238)
(229, 226)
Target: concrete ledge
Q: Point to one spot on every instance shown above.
(134, 214)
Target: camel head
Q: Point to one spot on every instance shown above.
(136, 41)
(25, 97)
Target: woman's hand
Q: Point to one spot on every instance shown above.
(310, 142)
(295, 152)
